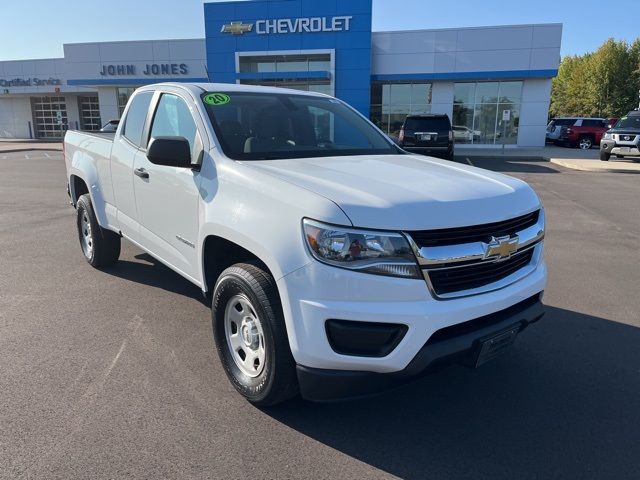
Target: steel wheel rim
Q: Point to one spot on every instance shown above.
(585, 144)
(85, 234)
(244, 335)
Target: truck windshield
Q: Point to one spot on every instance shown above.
(632, 121)
(268, 126)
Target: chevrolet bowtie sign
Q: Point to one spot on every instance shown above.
(291, 25)
(237, 28)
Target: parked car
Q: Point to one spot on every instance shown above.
(465, 134)
(623, 139)
(584, 133)
(554, 126)
(110, 126)
(428, 134)
(337, 264)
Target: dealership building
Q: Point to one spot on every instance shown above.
(494, 82)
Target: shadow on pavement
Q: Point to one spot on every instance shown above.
(564, 403)
(510, 164)
(151, 272)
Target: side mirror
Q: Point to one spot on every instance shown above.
(170, 152)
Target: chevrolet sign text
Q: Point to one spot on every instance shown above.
(304, 25)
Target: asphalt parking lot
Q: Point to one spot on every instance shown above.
(112, 374)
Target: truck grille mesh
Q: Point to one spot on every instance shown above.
(475, 233)
(454, 279)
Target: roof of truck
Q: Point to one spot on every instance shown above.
(199, 88)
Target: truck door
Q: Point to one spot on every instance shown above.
(167, 198)
(126, 146)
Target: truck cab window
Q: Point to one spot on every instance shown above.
(174, 119)
(136, 115)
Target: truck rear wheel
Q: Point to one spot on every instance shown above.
(585, 143)
(101, 247)
(251, 337)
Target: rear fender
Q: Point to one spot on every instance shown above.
(83, 166)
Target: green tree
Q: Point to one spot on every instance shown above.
(603, 83)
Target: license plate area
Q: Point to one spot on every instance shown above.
(426, 137)
(495, 345)
(624, 149)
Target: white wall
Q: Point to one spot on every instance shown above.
(480, 49)
(108, 100)
(442, 98)
(534, 112)
(84, 61)
(15, 113)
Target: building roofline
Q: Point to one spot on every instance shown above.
(471, 28)
(138, 41)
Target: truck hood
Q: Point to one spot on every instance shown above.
(407, 192)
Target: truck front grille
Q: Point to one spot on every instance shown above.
(474, 233)
(463, 261)
(468, 277)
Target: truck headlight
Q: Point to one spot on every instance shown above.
(381, 253)
(607, 136)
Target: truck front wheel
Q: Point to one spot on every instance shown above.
(604, 156)
(101, 247)
(250, 335)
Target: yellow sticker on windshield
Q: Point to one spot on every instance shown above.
(216, 99)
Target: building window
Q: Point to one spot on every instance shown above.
(478, 110)
(123, 98)
(285, 63)
(392, 102)
(288, 64)
(89, 113)
(49, 116)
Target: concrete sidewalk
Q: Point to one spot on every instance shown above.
(10, 145)
(574, 158)
(619, 165)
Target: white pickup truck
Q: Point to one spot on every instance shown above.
(337, 264)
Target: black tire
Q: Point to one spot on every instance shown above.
(104, 244)
(449, 155)
(619, 156)
(604, 156)
(277, 380)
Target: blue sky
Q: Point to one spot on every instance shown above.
(38, 28)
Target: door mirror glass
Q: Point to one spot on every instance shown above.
(170, 152)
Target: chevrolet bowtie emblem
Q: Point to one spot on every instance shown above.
(501, 248)
(237, 28)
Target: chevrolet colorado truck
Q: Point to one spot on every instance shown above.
(338, 265)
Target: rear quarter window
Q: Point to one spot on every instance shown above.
(136, 116)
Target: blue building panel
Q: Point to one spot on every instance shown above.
(352, 45)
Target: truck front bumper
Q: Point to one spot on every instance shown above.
(317, 295)
(457, 344)
(610, 147)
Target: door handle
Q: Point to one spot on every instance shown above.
(141, 172)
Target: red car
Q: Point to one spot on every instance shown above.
(585, 132)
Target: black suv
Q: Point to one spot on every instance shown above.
(623, 139)
(428, 135)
